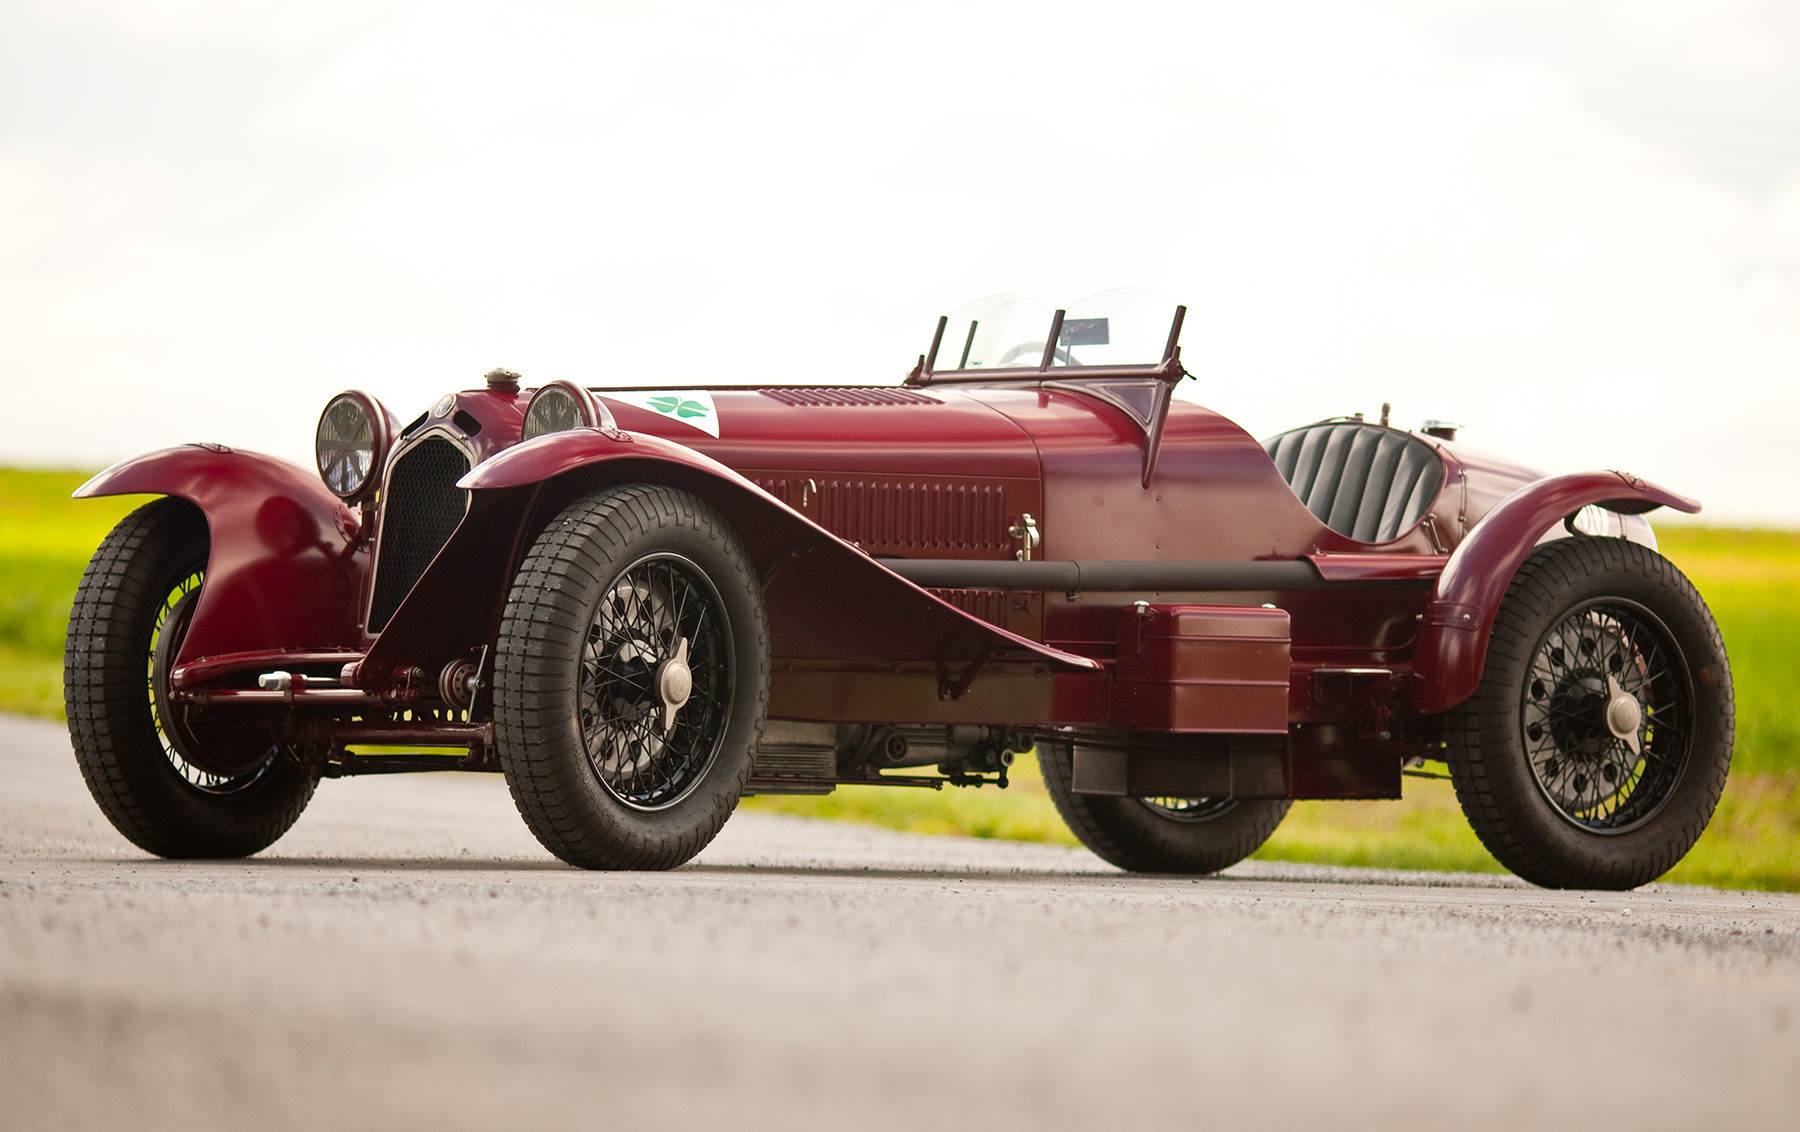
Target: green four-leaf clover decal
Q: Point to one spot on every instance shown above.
(676, 407)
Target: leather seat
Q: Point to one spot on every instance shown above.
(1367, 482)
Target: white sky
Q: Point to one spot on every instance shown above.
(1574, 227)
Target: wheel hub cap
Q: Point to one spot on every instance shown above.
(674, 684)
(1624, 715)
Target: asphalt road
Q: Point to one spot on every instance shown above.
(408, 957)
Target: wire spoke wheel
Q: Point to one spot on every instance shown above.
(171, 722)
(647, 756)
(631, 677)
(1607, 716)
(1594, 749)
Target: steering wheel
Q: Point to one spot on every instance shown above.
(1035, 350)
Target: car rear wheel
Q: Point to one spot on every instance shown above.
(1596, 746)
(174, 779)
(1158, 835)
(632, 679)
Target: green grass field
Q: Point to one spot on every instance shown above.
(1750, 578)
(45, 541)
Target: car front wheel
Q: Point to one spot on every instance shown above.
(175, 779)
(1596, 746)
(632, 679)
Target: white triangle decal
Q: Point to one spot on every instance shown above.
(693, 407)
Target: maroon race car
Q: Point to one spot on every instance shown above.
(640, 604)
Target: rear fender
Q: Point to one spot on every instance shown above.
(1451, 652)
(282, 571)
(826, 599)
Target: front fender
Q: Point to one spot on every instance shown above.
(1451, 652)
(282, 570)
(555, 454)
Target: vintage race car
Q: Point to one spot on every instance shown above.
(640, 604)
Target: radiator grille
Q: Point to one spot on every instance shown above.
(915, 518)
(420, 510)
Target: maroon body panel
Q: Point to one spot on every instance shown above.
(1215, 495)
(1453, 636)
(285, 571)
(1476, 483)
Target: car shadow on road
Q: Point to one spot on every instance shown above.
(1253, 874)
(1307, 875)
(348, 864)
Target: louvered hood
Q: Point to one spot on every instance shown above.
(896, 471)
(833, 429)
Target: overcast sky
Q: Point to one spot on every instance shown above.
(1572, 227)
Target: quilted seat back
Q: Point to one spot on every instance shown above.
(1364, 481)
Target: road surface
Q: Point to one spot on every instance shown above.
(408, 957)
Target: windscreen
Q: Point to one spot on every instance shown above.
(1127, 326)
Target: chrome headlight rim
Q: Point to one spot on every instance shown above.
(558, 406)
(335, 453)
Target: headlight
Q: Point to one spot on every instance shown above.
(351, 443)
(563, 405)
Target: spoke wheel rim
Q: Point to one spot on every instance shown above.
(168, 720)
(1188, 809)
(636, 628)
(1594, 779)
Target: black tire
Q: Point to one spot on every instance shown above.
(1158, 835)
(602, 772)
(1596, 746)
(174, 780)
